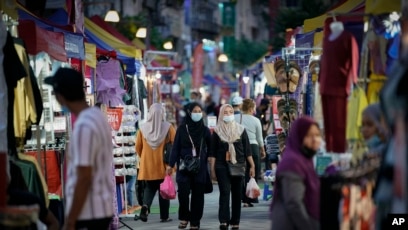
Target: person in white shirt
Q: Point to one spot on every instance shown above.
(88, 189)
(253, 128)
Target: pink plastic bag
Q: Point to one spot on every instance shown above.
(167, 188)
(252, 189)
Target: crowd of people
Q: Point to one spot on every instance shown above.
(230, 154)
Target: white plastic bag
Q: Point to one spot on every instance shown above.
(252, 189)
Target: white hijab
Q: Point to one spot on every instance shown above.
(228, 132)
(156, 128)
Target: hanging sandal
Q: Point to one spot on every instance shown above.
(183, 224)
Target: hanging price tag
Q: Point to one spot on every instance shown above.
(114, 118)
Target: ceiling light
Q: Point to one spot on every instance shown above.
(141, 32)
(245, 79)
(112, 16)
(223, 58)
(168, 45)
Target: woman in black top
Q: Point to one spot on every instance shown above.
(229, 146)
(192, 130)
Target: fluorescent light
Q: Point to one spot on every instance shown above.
(141, 32)
(112, 16)
(168, 45)
(223, 58)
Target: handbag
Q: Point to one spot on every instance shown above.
(191, 163)
(237, 169)
(167, 149)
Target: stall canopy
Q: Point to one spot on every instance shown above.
(73, 42)
(318, 22)
(103, 40)
(382, 6)
(41, 40)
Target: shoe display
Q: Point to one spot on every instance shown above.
(283, 79)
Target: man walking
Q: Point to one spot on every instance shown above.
(88, 189)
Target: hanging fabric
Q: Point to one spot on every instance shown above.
(108, 73)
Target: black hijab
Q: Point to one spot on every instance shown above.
(196, 129)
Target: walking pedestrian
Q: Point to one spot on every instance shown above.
(230, 148)
(253, 129)
(150, 143)
(89, 167)
(192, 135)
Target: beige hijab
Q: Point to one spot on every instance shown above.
(156, 128)
(228, 132)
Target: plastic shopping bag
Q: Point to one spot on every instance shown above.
(252, 189)
(167, 188)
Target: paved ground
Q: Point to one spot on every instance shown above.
(251, 218)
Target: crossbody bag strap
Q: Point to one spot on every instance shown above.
(192, 143)
(240, 120)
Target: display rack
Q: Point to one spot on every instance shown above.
(124, 155)
(302, 57)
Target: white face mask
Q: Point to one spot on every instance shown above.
(196, 116)
(229, 119)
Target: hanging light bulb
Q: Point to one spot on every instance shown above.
(141, 32)
(112, 16)
(168, 45)
(223, 58)
(245, 79)
(157, 75)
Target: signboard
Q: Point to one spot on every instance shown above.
(114, 118)
(211, 122)
(321, 164)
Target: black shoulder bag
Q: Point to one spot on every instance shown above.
(191, 163)
(167, 149)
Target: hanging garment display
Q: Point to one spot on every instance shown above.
(337, 75)
(108, 73)
(356, 104)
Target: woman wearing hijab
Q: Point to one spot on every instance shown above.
(375, 137)
(150, 142)
(229, 145)
(295, 203)
(373, 131)
(193, 127)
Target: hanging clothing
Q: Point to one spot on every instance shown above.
(142, 94)
(355, 107)
(339, 66)
(374, 88)
(109, 91)
(24, 105)
(13, 71)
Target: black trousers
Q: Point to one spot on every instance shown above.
(140, 186)
(102, 224)
(229, 186)
(151, 187)
(257, 162)
(191, 210)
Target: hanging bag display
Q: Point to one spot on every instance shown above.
(167, 149)
(191, 163)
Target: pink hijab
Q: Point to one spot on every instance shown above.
(156, 128)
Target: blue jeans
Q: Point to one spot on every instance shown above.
(130, 186)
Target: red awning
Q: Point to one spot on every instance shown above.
(39, 40)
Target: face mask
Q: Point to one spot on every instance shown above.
(229, 118)
(307, 152)
(196, 116)
(373, 142)
(65, 109)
